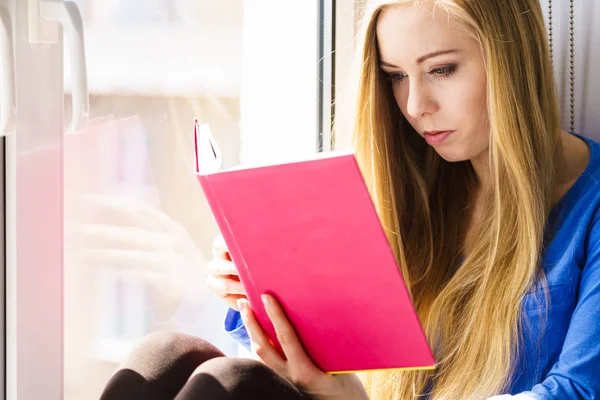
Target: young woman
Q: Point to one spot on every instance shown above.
(492, 210)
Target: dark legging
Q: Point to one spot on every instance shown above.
(167, 366)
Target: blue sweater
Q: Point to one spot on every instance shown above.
(561, 361)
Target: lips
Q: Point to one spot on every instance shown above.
(435, 138)
(436, 132)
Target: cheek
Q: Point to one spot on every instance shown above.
(398, 96)
(401, 98)
(475, 110)
(477, 101)
(474, 118)
(473, 101)
(465, 103)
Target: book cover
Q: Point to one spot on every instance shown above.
(308, 233)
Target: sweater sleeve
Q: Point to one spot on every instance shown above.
(235, 327)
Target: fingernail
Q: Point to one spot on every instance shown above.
(266, 301)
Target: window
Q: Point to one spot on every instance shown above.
(138, 230)
(107, 230)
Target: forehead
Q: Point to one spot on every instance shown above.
(408, 31)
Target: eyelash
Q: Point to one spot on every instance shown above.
(447, 72)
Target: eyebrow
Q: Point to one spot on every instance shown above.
(423, 58)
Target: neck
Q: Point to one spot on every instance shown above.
(572, 162)
(481, 166)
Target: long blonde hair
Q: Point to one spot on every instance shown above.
(471, 314)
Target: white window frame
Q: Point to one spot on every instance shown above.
(34, 317)
(336, 55)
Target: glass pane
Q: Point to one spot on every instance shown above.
(138, 231)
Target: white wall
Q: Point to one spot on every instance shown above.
(587, 62)
(278, 101)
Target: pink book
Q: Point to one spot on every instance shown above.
(307, 232)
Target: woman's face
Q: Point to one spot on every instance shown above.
(438, 77)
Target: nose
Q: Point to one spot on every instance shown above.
(420, 100)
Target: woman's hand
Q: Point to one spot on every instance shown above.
(223, 279)
(297, 367)
(137, 241)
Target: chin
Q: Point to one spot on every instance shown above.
(451, 156)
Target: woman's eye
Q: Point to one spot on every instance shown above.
(438, 73)
(394, 78)
(443, 72)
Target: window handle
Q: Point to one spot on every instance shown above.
(67, 14)
(8, 103)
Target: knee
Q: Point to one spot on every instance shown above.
(229, 368)
(230, 378)
(160, 364)
(165, 342)
(176, 344)
(158, 341)
(232, 375)
(159, 350)
(226, 378)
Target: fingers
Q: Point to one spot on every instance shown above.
(218, 266)
(232, 300)
(223, 278)
(220, 249)
(296, 365)
(223, 286)
(285, 333)
(259, 342)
